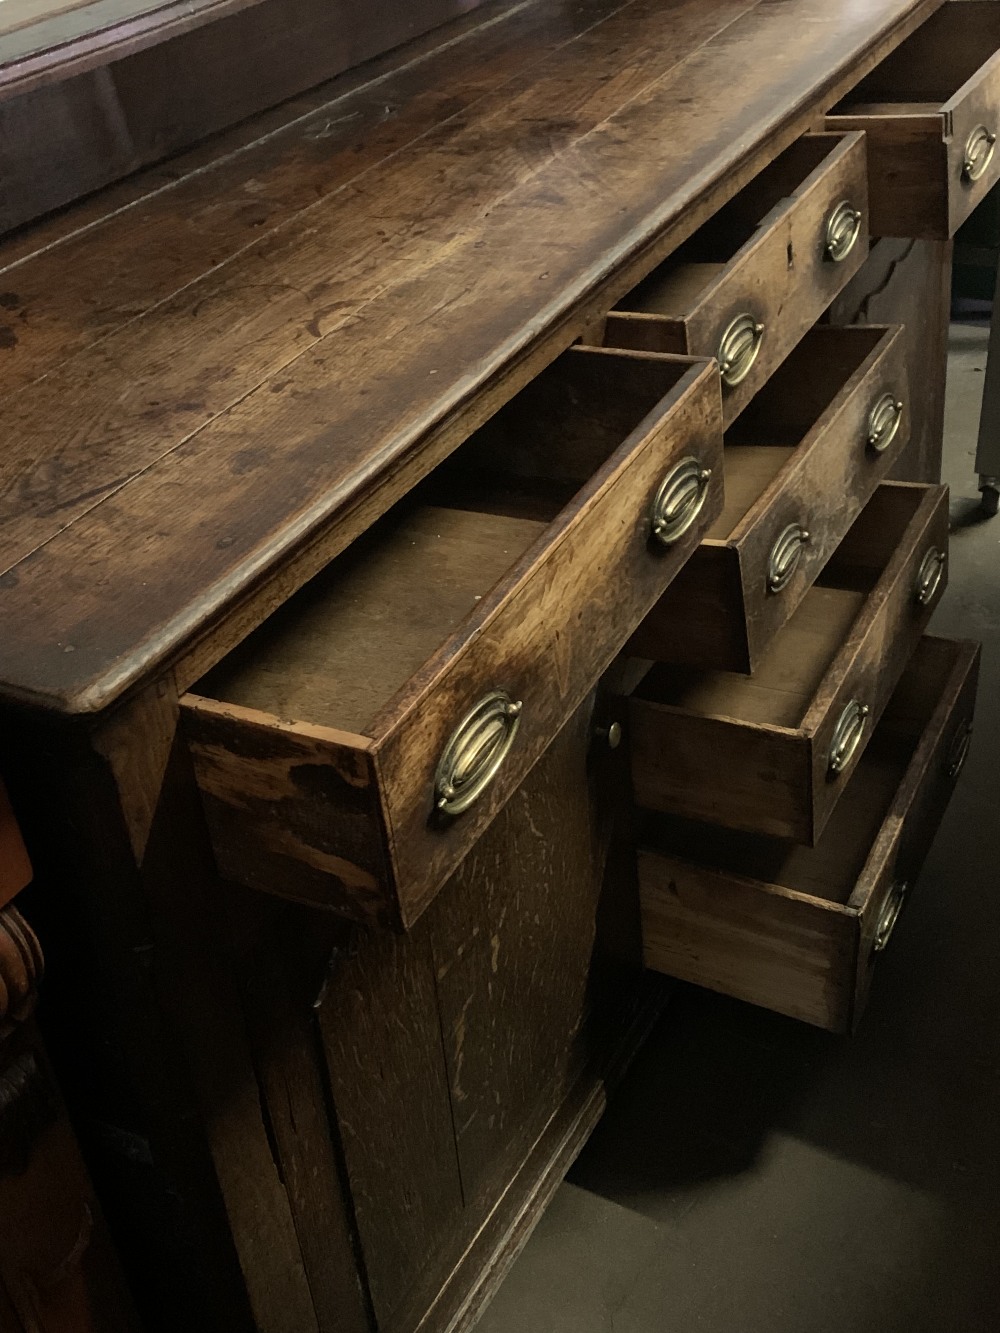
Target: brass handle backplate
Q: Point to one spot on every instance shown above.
(679, 500)
(738, 348)
(475, 751)
(883, 422)
(847, 735)
(843, 227)
(890, 913)
(979, 149)
(785, 556)
(929, 576)
(959, 751)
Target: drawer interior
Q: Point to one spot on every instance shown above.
(830, 870)
(338, 651)
(931, 66)
(782, 689)
(783, 412)
(676, 287)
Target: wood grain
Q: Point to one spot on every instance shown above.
(401, 643)
(779, 273)
(909, 283)
(381, 1038)
(850, 638)
(793, 928)
(799, 454)
(917, 110)
(506, 294)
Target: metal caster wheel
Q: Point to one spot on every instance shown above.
(989, 501)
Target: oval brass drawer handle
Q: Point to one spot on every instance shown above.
(847, 735)
(785, 556)
(883, 422)
(979, 148)
(959, 751)
(475, 751)
(738, 348)
(890, 914)
(929, 575)
(679, 499)
(843, 227)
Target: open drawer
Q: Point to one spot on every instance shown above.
(353, 749)
(798, 929)
(750, 282)
(801, 462)
(772, 753)
(931, 112)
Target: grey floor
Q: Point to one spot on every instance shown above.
(756, 1176)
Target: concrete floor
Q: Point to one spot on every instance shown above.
(756, 1176)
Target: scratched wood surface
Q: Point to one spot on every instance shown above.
(271, 400)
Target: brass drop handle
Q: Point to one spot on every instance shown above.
(929, 576)
(475, 752)
(847, 735)
(884, 421)
(979, 148)
(785, 556)
(679, 500)
(959, 751)
(890, 913)
(738, 348)
(843, 227)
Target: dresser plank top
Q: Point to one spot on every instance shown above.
(218, 374)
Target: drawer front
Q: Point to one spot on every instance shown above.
(547, 643)
(15, 868)
(931, 114)
(371, 825)
(886, 888)
(780, 779)
(736, 593)
(798, 933)
(871, 663)
(752, 940)
(779, 284)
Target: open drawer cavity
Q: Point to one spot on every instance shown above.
(931, 114)
(801, 462)
(772, 753)
(352, 749)
(750, 282)
(799, 929)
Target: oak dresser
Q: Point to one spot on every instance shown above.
(468, 533)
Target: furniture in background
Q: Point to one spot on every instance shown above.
(58, 1270)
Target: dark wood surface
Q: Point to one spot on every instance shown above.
(793, 928)
(272, 434)
(464, 591)
(65, 138)
(752, 753)
(762, 255)
(799, 454)
(909, 283)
